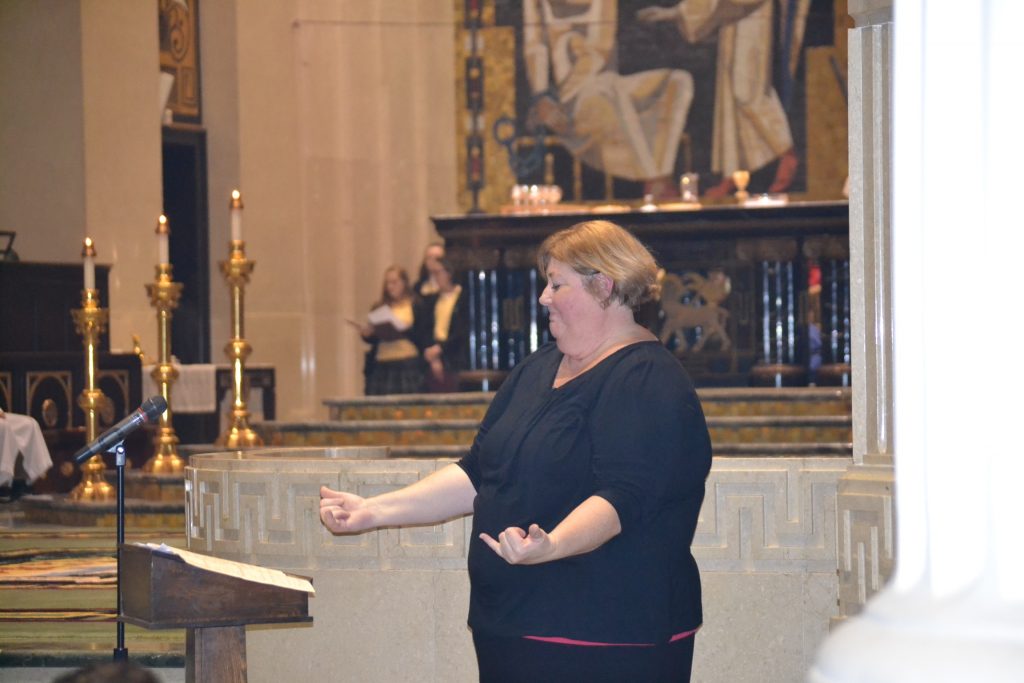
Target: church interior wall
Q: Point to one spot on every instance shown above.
(342, 121)
(92, 133)
(41, 134)
(218, 47)
(334, 119)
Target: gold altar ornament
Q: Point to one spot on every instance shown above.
(742, 179)
(90, 322)
(237, 270)
(164, 295)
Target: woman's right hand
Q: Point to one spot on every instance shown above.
(344, 513)
(432, 353)
(654, 13)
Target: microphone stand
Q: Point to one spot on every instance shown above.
(120, 651)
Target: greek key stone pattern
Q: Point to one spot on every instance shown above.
(758, 515)
(769, 515)
(268, 513)
(866, 537)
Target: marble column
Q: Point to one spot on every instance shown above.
(954, 609)
(865, 493)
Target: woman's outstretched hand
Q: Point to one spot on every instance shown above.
(516, 546)
(344, 513)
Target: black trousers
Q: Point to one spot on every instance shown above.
(521, 660)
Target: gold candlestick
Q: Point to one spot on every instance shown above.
(90, 322)
(237, 270)
(164, 295)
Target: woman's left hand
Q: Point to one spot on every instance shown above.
(516, 546)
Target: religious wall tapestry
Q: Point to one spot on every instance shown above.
(617, 99)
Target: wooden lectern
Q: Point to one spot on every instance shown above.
(161, 590)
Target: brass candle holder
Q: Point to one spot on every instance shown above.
(237, 270)
(164, 295)
(742, 179)
(90, 322)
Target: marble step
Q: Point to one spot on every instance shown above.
(736, 450)
(59, 509)
(473, 405)
(465, 406)
(724, 429)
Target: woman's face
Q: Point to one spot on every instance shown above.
(394, 284)
(440, 276)
(574, 313)
(432, 254)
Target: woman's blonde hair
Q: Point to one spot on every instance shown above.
(385, 297)
(593, 247)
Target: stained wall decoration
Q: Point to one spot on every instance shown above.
(179, 58)
(615, 99)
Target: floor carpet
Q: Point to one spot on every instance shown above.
(58, 596)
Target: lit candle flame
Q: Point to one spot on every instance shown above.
(89, 263)
(236, 216)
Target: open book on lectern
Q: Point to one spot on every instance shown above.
(240, 570)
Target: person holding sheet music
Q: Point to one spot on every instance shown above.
(393, 363)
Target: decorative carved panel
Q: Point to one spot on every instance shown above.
(179, 57)
(769, 514)
(867, 535)
(53, 387)
(759, 515)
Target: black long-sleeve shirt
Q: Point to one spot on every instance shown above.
(455, 348)
(630, 430)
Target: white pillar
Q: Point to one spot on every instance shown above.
(864, 499)
(955, 608)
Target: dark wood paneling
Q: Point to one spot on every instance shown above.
(35, 305)
(185, 205)
(758, 257)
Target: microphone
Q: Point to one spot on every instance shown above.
(151, 409)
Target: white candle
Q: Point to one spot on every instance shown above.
(236, 216)
(89, 265)
(162, 240)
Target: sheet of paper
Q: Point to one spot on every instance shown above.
(241, 570)
(383, 315)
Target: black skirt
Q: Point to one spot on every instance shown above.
(395, 377)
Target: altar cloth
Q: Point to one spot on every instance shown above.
(21, 434)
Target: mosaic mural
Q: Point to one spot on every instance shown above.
(615, 99)
(179, 58)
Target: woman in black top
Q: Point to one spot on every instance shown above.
(425, 284)
(442, 329)
(585, 480)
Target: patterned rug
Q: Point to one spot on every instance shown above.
(58, 596)
(29, 567)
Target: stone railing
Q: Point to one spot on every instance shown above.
(391, 604)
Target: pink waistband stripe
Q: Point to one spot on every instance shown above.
(587, 643)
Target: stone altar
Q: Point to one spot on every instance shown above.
(391, 604)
